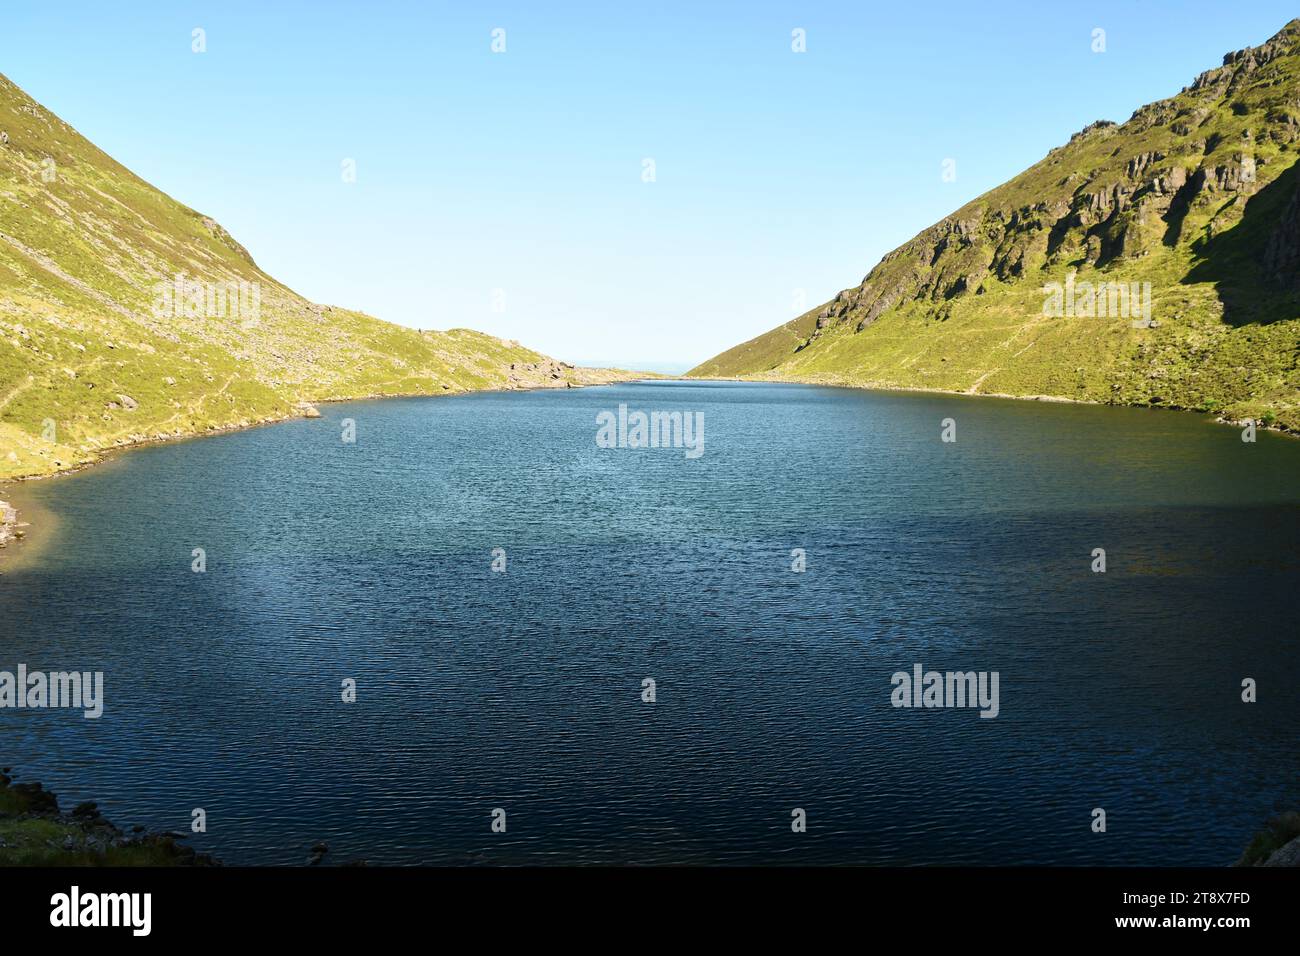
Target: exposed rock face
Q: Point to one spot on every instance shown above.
(545, 374)
(1190, 197)
(1277, 844)
(1282, 254)
(1289, 855)
(8, 524)
(1104, 214)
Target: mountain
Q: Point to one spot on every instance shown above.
(1016, 293)
(126, 316)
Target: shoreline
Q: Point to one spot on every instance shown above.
(15, 531)
(32, 526)
(10, 529)
(303, 409)
(1217, 418)
(38, 832)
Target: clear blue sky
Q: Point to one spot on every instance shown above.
(522, 171)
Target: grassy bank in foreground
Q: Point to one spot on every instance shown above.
(35, 832)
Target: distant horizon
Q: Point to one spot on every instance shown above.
(660, 366)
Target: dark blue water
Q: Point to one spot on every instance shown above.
(522, 690)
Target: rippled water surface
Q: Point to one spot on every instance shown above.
(476, 690)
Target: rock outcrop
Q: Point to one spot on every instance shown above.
(1282, 253)
(9, 529)
(1288, 855)
(35, 832)
(1278, 844)
(1196, 195)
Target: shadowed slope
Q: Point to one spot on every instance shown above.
(1194, 194)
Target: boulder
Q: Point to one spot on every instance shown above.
(1287, 855)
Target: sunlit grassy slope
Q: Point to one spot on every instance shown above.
(1199, 195)
(88, 360)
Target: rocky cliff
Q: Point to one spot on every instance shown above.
(1196, 195)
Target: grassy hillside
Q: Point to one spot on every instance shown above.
(1198, 195)
(97, 350)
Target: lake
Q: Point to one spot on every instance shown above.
(476, 689)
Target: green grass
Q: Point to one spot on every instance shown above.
(80, 259)
(44, 843)
(960, 306)
(33, 834)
